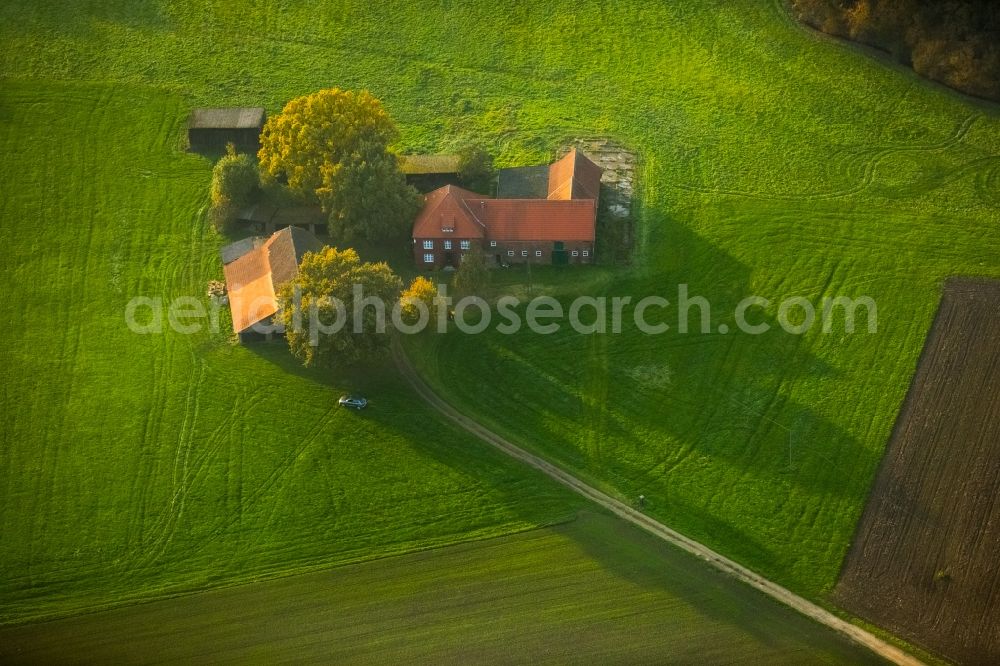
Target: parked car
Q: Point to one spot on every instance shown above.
(353, 401)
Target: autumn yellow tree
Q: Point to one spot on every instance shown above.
(335, 311)
(421, 290)
(333, 146)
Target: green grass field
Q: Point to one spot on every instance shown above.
(773, 163)
(595, 590)
(136, 465)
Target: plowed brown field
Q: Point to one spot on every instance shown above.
(925, 562)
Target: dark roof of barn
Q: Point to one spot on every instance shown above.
(523, 182)
(227, 118)
(234, 251)
(257, 213)
(299, 215)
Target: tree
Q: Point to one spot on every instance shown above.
(367, 197)
(475, 166)
(473, 274)
(332, 146)
(235, 182)
(323, 294)
(420, 290)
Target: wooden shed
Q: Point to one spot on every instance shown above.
(209, 130)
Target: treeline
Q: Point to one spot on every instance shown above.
(955, 42)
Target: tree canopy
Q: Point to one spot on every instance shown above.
(324, 293)
(235, 182)
(951, 41)
(475, 166)
(333, 146)
(421, 290)
(473, 274)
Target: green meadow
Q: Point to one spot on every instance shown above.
(138, 465)
(592, 590)
(773, 162)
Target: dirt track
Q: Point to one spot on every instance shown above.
(925, 562)
(619, 508)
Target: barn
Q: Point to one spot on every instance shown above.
(209, 130)
(268, 218)
(255, 269)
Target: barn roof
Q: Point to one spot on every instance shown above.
(299, 215)
(285, 250)
(234, 251)
(414, 165)
(227, 118)
(261, 213)
(253, 279)
(540, 219)
(574, 177)
(530, 182)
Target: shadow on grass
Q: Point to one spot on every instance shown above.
(721, 411)
(82, 19)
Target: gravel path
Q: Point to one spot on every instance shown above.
(626, 512)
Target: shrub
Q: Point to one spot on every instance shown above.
(235, 183)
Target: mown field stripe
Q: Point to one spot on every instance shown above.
(622, 510)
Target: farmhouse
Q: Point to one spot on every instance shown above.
(209, 130)
(255, 269)
(551, 226)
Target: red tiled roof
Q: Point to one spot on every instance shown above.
(574, 177)
(540, 220)
(453, 208)
(251, 293)
(569, 214)
(251, 280)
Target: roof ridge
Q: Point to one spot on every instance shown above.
(474, 216)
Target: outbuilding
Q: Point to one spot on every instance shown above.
(209, 130)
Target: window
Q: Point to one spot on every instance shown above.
(524, 253)
(575, 253)
(538, 253)
(429, 245)
(493, 243)
(447, 245)
(586, 253)
(510, 253)
(428, 258)
(465, 245)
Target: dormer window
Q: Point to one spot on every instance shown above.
(448, 230)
